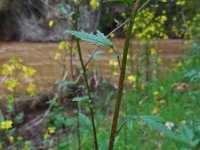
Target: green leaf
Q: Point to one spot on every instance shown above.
(84, 120)
(97, 54)
(186, 132)
(81, 98)
(69, 121)
(195, 142)
(155, 123)
(19, 117)
(186, 136)
(65, 83)
(51, 102)
(98, 39)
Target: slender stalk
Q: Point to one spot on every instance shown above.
(137, 72)
(147, 63)
(122, 76)
(71, 58)
(86, 80)
(78, 128)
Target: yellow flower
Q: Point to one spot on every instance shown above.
(51, 23)
(110, 50)
(11, 139)
(162, 101)
(155, 93)
(165, 37)
(163, 18)
(152, 51)
(113, 63)
(75, 1)
(180, 3)
(28, 72)
(11, 84)
(164, 1)
(112, 35)
(57, 55)
(159, 60)
(115, 73)
(46, 136)
(16, 62)
(123, 14)
(7, 70)
(63, 45)
(51, 130)
(179, 64)
(155, 110)
(31, 89)
(94, 4)
(131, 78)
(5, 125)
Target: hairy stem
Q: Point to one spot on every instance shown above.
(86, 81)
(122, 76)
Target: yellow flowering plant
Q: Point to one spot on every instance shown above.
(5, 125)
(15, 74)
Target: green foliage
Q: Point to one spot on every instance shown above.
(98, 39)
(161, 101)
(157, 123)
(121, 1)
(82, 99)
(97, 54)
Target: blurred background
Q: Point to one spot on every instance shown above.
(27, 20)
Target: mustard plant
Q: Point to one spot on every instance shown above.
(15, 73)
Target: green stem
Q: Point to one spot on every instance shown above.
(122, 76)
(86, 81)
(78, 128)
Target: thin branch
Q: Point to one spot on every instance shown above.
(114, 30)
(54, 9)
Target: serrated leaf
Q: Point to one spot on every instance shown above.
(155, 123)
(84, 120)
(98, 39)
(195, 142)
(186, 132)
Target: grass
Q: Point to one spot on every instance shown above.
(178, 107)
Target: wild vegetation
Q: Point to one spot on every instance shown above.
(150, 108)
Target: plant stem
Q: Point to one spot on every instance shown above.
(71, 58)
(147, 63)
(78, 128)
(86, 80)
(122, 76)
